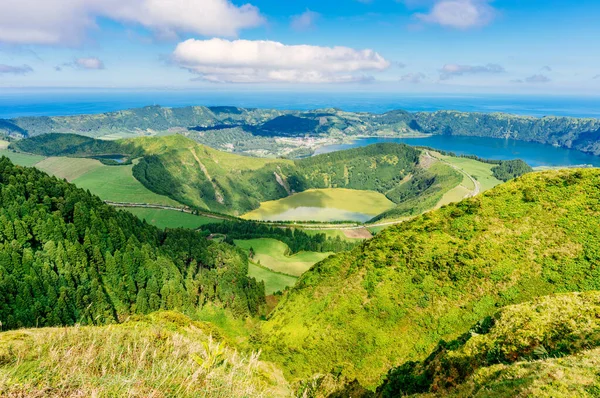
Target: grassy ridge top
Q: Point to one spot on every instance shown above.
(392, 299)
(162, 354)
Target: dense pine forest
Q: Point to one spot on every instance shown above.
(67, 258)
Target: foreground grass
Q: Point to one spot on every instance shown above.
(171, 218)
(325, 205)
(68, 168)
(117, 184)
(160, 355)
(21, 159)
(272, 254)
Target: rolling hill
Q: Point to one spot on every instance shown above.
(205, 178)
(392, 299)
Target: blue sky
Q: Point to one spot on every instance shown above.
(429, 46)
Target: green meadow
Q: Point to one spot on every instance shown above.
(21, 159)
(164, 218)
(117, 184)
(272, 254)
(482, 172)
(330, 204)
(68, 168)
(274, 281)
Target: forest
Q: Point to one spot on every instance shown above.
(67, 258)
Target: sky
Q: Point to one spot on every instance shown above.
(412, 46)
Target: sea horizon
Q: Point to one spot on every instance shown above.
(66, 102)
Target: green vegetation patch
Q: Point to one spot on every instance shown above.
(21, 159)
(274, 281)
(392, 299)
(68, 168)
(117, 184)
(482, 172)
(163, 354)
(274, 254)
(549, 327)
(330, 204)
(164, 218)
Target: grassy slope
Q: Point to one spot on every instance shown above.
(482, 172)
(274, 281)
(21, 159)
(171, 218)
(68, 168)
(365, 202)
(545, 348)
(163, 354)
(396, 296)
(271, 253)
(117, 184)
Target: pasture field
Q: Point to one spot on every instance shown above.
(482, 172)
(271, 253)
(163, 218)
(117, 184)
(331, 204)
(21, 159)
(4, 144)
(68, 168)
(274, 281)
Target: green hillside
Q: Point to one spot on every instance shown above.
(546, 348)
(201, 177)
(392, 299)
(67, 258)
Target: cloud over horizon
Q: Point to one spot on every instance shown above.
(15, 70)
(459, 14)
(450, 71)
(65, 22)
(246, 61)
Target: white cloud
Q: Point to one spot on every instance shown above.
(244, 61)
(414, 78)
(89, 63)
(452, 70)
(460, 14)
(305, 21)
(52, 22)
(15, 70)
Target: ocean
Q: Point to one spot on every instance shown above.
(30, 102)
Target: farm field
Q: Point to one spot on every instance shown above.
(274, 281)
(21, 159)
(271, 253)
(332, 204)
(163, 218)
(117, 184)
(334, 233)
(68, 168)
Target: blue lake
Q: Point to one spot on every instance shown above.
(488, 148)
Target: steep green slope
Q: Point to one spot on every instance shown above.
(393, 298)
(164, 354)
(512, 352)
(67, 258)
